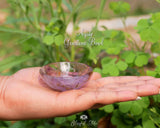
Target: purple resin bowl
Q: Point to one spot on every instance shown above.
(62, 76)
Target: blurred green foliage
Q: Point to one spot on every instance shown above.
(35, 35)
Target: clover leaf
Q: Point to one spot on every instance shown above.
(128, 56)
(59, 39)
(141, 60)
(119, 7)
(124, 107)
(122, 65)
(108, 108)
(48, 39)
(136, 109)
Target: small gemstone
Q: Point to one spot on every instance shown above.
(62, 76)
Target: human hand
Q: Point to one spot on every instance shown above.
(22, 96)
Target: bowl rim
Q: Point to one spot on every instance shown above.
(90, 70)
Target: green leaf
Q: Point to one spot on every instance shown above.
(113, 46)
(124, 107)
(155, 48)
(157, 60)
(151, 73)
(60, 120)
(156, 98)
(102, 5)
(59, 39)
(17, 124)
(149, 34)
(156, 17)
(148, 124)
(93, 53)
(141, 60)
(109, 66)
(136, 109)
(155, 26)
(157, 69)
(119, 7)
(117, 120)
(80, 37)
(13, 61)
(7, 60)
(69, 6)
(48, 39)
(138, 126)
(142, 24)
(113, 41)
(128, 56)
(8, 123)
(71, 118)
(149, 30)
(158, 1)
(105, 60)
(108, 108)
(111, 69)
(122, 65)
(144, 102)
(97, 70)
(10, 30)
(98, 34)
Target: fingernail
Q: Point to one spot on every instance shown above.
(138, 98)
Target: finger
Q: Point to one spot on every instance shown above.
(110, 97)
(91, 85)
(95, 76)
(88, 100)
(122, 79)
(141, 90)
(132, 83)
(155, 81)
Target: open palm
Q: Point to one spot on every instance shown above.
(23, 96)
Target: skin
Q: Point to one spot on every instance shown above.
(23, 96)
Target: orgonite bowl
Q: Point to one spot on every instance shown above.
(62, 76)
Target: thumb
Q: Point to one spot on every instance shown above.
(95, 76)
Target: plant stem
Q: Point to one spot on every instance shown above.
(72, 52)
(154, 121)
(40, 11)
(30, 21)
(142, 71)
(75, 8)
(70, 1)
(51, 9)
(46, 51)
(103, 2)
(26, 15)
(66, 59)
(57, 54)
(65, 52)
(72, 46)
(63, 16)
(52, 56)
(35, 18)
(134, 42)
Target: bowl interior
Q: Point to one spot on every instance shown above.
(67, 69)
